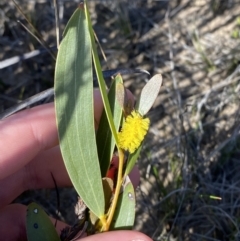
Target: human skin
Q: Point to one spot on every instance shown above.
(29, 154)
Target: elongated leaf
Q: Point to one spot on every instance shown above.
(125, 212)
(105, 140)
(149, 94)
(99, 75)
(75, 114)
(39, 226)
(124, 101)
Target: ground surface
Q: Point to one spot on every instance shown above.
(192, 149)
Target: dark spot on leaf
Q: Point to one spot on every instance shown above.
(35, 225)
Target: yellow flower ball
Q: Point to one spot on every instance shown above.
(133, 131)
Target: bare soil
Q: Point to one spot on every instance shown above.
(190, 163)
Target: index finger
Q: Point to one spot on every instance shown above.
(25, 134)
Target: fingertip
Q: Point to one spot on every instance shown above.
(130, 97)
(27, 133)
(118, 236)
(134, 176)
(13, 217)
(13, 223)
(98, 107)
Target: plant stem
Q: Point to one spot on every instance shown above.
(117, 190)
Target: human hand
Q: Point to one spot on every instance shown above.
(29, 154)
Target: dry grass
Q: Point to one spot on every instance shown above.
(192, 150)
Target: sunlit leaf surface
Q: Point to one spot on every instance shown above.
(125, 211)
(149, 94)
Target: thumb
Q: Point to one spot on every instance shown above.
(118, 236)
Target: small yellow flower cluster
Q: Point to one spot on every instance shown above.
(133, 131)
